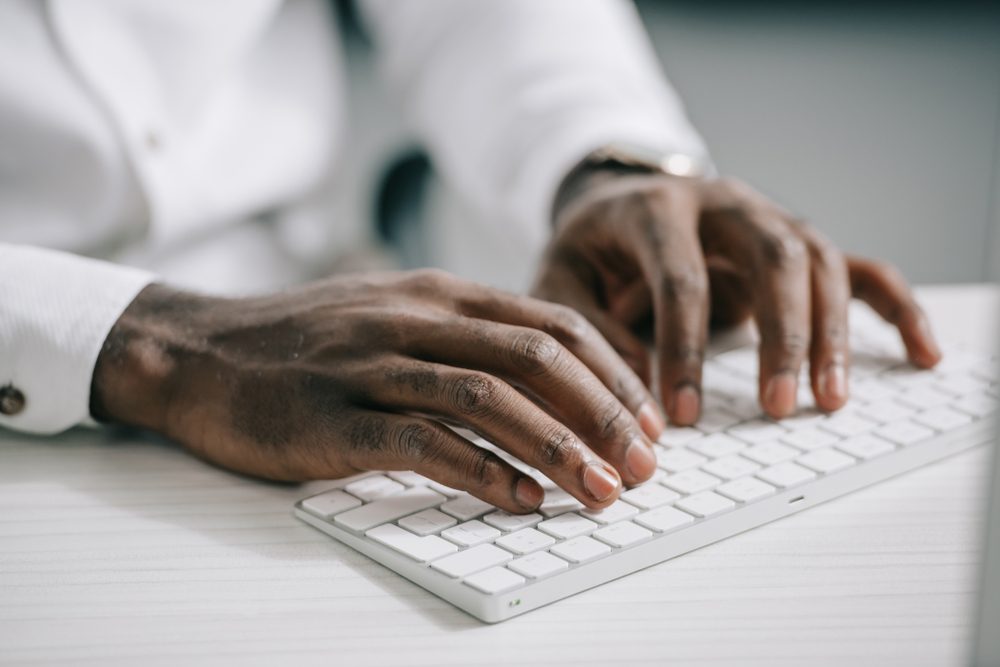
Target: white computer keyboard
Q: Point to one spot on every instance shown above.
(734, 471)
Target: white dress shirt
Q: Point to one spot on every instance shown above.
(139, 138)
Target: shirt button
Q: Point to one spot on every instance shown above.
(11, 400)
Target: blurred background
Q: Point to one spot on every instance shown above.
(879, 123)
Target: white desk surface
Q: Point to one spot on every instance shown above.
(128, 551)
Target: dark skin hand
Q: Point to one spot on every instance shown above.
(691, 253)
(360, 373)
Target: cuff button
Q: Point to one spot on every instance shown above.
(11, 400)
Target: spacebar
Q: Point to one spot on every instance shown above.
(389, 509)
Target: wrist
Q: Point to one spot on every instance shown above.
(617, 161)
(137, 368)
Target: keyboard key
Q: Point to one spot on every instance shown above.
(705, 504)
(979, 404)
(717, 419)
(465, 507)
(745, 490)
(731, 467)
(373, 488)
(865, 447)
(566, 526)
(622, 534)
(408, 477)
(508, 523)
(472, 560)
(924, 398)
(904, 432)
(988, 371)
(785, 475)
(717, 445)
(942, 419)
(674, 436)
(884, 412)
(691, 481)
(427, 522)
(808, 439)
(743, 360)
(494, 580)
(769, 453)
(825, 461)
(422, 549)
(580, 549)
(558, 502)
(664, 519)
(538, 565)
(756, 431)
(959, 384)
(649, 496)
(804, 418)
(525, 541)
(676, 460)
(388, 509)
(872, 390)
(445, 490)
(847, 425)
(330, 503)
(471, 533)
(613, 513)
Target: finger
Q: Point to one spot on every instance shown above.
(575, 332)
(780, 280)
(497, 412)
(882, 287)
(831, 295)
(673, 265)
(537, 363)
(386, 441)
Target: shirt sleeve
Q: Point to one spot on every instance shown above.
(56, 310)
(509, 95)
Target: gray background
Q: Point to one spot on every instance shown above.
(880, 125)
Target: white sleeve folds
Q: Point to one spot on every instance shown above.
(56, 310)
(511, 94)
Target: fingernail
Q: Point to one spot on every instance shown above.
(600, 482)
(528, 493)
(685, 405)
(779, 398)
(833, 382)
(651, 420)
(640, 460)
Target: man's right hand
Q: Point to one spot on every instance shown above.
(360, 373)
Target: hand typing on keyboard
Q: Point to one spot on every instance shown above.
(629, 246)
(359, 373)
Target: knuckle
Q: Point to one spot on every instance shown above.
(415, 442)
(610, 422)
(559, 448)
(781, 250)
(887, 271)
(535, 353)
(474, 394)
(793, 344)
(486, 468)
(735, 187)
(568, 325)
(431, 279)
(691, 356)
(684, 284)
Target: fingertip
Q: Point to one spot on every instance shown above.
(685, 405)
(528, 493)
(779, 396)
(640, 461)
(651, 420)
(831, 388)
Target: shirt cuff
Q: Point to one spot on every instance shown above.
(55, 315)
